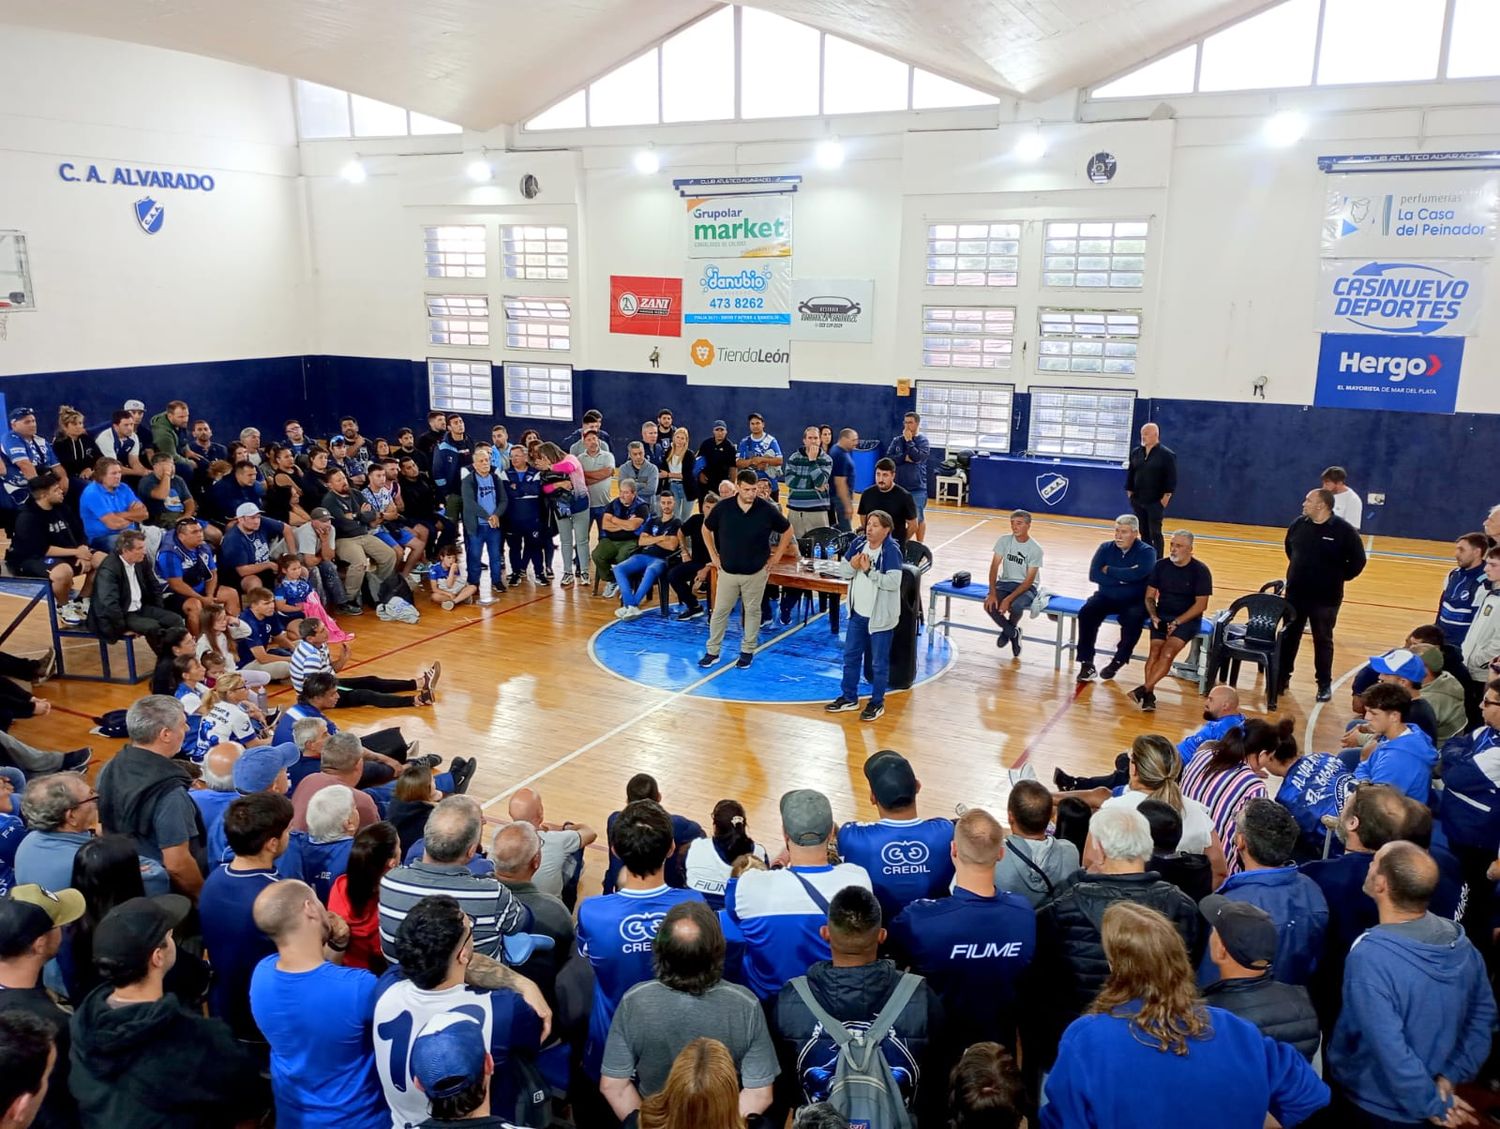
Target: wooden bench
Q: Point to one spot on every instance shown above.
(1063, 611)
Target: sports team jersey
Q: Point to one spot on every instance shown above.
(403, 1010)
(225, 721)
(708, 873)
(191, 566)
(762, 448)
(615, 932)
(37, 451)
(906, 859)
(261, 633)
(308, 658)
(1457, 605)
(780, 919)
(294, 592)
(293, 714)
(1318, 785)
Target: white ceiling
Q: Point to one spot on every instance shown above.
(483, 63)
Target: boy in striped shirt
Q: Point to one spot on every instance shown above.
(312, 656)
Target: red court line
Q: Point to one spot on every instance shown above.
(75, 713)
(1036, 737)
(428, 638)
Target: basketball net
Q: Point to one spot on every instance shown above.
(2, 325)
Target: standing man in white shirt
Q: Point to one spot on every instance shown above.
(1015, 575)
(1346, 503)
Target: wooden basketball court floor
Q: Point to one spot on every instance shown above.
(520, 692)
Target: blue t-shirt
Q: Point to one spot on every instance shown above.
(235, 945)
(241, 548)
(660, 527)
(615, 932)
(37, 451)
(638, 509)
(843, 466)
(12, 831)
(780, 919)
(974, 952)
(486, 487)
(322, 1072)
(175, 562)
(261, 633)
(1318, 785)
(96, 501)
(762, 448)
(289, 717)
(907, 859)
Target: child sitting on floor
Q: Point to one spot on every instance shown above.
(450, 586)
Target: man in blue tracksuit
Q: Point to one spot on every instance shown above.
(1120, 568)
(1418, 1009)
(1468, 807)
(1456, 606)
(523, 517)
(909, 452)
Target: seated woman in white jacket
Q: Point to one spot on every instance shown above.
(873, 565)
(1481, 644)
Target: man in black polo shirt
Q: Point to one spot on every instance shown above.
(1176, 598)
(894, 500)
(1150, 482)
(738, 536)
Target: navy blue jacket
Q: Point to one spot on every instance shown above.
(1125, 582)
(1468, 803)
(1296, 905)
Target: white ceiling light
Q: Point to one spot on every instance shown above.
(830, 153)
(354, 171)
(480, 172)
(647, 162)
(1031, 146)
(1286, 127)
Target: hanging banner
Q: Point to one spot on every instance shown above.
(1435, 297)
(737, 292)
(1421, 214)
(833, 309)
(739, 227)
(738, 356)
(644, 305)
(1389, 374)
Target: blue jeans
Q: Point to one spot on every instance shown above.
(644, 566)
(475, 543)
(684, 508)
(859, 641)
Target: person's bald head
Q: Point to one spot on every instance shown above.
(978, 838)
(517, 851)
(218, 766)
(1402, 875)
(526, 805)
(282, 908)
(1223, 701)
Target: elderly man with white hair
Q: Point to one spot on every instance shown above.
(322, 854)
(1176, 598)
(1121, 568)
(1070, 959)
(217, 793)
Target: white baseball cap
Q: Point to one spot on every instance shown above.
(134, 406)
(247, 509)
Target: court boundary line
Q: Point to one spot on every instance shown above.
(1317, 710)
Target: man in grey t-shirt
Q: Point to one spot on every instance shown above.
(1015, 575)
(562, 846)
(598, 471)
(686, 1001)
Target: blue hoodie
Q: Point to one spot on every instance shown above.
(1468, 804)
(1416, 1004)
(1108, 1078)
(1297, 906)
(1125, 582)
(1403, 762)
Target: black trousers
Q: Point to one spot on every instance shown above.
(680, 576)
(388, 743)
(1322, 620)
(368, 690)
(1150, 515)
(1132, 616)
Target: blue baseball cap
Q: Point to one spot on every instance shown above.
(21, 413)
(448, 1056)
(1402, 663)
(258, 767)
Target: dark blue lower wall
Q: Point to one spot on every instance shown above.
(1239, 462)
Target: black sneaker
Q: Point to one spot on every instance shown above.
(77, 760)
(745, 659)
(1063, 782)
(1111, 670)
(1006, 631)
(462, 770)
(513, 579)
(1325, 693)
(841, 705)
(1138, 695)
(1148, 703)
(1087, 673)
(1015, 644)
(872, 712)
(708, 660)
(352, 608)
(431, 760)
(690, 613)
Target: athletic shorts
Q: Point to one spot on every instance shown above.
(1187, 631)
(42, 568)
(396, 540)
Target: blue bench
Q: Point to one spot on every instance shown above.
(37, 591)
(1063, 611)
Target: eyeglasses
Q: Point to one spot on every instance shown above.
(1489, 702)
(90, 798)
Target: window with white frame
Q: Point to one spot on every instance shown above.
(328, 112)
(973, 254)
(458, 319)
(1080, 422)
(538, 323)
(1105, 342)
(534, 252)
(976, 337)
(1108, 254)
(538, 391)
(460, 386)
(966, 417)
(454, 251)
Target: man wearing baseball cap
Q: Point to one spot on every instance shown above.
(781, 911)
(453, 1067)
(1242, 949)
(26, 456)
(139, 1057)
(719, 458)
(907, 857)
(1404, 668)
(316, 544)
(246, 558)
(31, 921)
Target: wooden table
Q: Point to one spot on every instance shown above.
(786, 574)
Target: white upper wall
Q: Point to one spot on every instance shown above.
(226, 275)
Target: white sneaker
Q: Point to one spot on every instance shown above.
(447, 605)
(1026, 772)
(487, 601)
(631, 612)
(622, 613)
(611, 590)
(72, 613)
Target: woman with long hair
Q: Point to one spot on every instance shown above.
(709, 861)
(284, 485)
(220, 630)
(1149, 1052)
(702, 1092)
(230, 713)
(677, 473)
(568, 496)
(1227, 774)
(76, 452)
(1155, 771)
(355, 894)
(413, 801)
